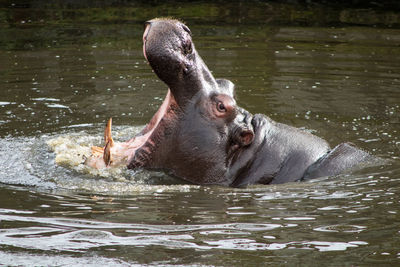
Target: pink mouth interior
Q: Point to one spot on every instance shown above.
(139, 141)
(129, 148)
(123, 153)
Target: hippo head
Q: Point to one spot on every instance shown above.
(199, 132)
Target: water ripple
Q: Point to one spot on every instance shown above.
(63, 234)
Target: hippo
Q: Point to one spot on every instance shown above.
(200, 134)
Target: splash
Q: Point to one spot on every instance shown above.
(70, 152)
(72, 149)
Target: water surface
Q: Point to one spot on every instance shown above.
(66, 70)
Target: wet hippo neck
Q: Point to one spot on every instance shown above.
(279, 153)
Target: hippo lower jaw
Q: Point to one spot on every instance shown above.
(115, 154)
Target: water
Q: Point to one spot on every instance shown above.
(66, 70)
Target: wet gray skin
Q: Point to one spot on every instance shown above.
(203, 137)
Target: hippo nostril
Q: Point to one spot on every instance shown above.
(186, 29)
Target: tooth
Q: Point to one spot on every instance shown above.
(107, 154)
(107, 133)
(109, 144)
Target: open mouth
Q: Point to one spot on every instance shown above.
(125, 153)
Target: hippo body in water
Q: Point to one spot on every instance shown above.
(199, 134)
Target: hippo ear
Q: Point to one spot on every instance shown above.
(226, 87)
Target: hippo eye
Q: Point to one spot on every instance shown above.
(221, 107)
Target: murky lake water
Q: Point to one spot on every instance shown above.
(64, 72)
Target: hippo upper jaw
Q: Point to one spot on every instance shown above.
(168, 48)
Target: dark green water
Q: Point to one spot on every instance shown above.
(66, 68)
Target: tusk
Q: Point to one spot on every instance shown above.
(109, 144)
(107, 133)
